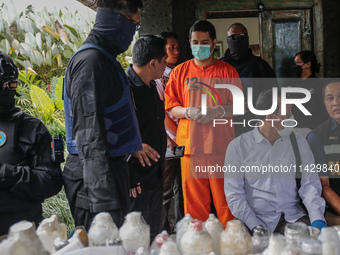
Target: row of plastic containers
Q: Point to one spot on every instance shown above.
(192, 237)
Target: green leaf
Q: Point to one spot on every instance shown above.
(30, 40)
(38, 41)
(5, 46)
(72, 30)
(59, 102)
(42, 102)
(16, 44)
(25, 50)
(36, 57)
(67, 54)
(48, 58)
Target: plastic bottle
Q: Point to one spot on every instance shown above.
(311, 247)
(169, 248)
(22, 239)
(330, 241)
(157, 243)
(291, 250)
(276, 245)
(142, 251)
(296, 232)
(260, 239)
(50, 229)
(102, 229)
(215, 229)
(235, 240)
(196, 240)
(181, 228)
(78, 241)
(134, 233)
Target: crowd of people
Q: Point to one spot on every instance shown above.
(120, 124)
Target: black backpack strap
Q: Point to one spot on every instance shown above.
(297, 159)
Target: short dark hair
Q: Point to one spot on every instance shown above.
(308, 56)
(328, 81)
(238, 25)
(127, 7)
(203, 26)
(147, 48)
(264, 101)
(166, 35)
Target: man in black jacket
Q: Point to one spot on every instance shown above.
(27, 173)
(149, 62)
(250, 68)
(101, 125)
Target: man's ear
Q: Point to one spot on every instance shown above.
(215, 42)
(309, 64)
(152, 64)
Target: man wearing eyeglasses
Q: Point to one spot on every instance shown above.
(250, 68)
(101, 125)
(28, 174)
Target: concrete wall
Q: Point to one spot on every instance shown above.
(169, 15)
(156, 17)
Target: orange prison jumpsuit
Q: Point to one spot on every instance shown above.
(205, 145)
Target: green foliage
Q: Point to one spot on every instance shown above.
(44, 41)
(39, 101)
(58, 205)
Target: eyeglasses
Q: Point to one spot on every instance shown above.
(138, 24)
(11, 85)
(237, 36)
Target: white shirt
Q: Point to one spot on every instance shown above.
(161, 83)
(258, 198)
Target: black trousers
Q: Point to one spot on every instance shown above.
(172, 189)
(149, 203)
(77, 196)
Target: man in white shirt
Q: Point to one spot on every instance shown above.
(261, 189)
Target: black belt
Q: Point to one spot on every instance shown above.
(125, 158)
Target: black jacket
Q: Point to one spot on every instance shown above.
(93, 85)
(150, 114)
(24, 186)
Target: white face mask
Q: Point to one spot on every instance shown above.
(286, 131)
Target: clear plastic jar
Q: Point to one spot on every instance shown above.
(215, 229)
(196, 240)
(134, 233)
(235, 240)
(296, 232)
(260, 239)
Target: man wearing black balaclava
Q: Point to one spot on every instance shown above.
(101, 126)
(28, 174)
(248, 66)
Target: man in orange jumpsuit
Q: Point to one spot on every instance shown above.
(205, 143)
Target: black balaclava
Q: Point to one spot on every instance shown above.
(9, 72)
(116, 28)
(238, 47)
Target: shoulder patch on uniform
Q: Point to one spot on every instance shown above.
(3, 138)
(333, 138)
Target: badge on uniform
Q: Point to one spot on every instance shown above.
(3, 138)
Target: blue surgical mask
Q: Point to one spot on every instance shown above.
(201, 51)
(286, 131)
